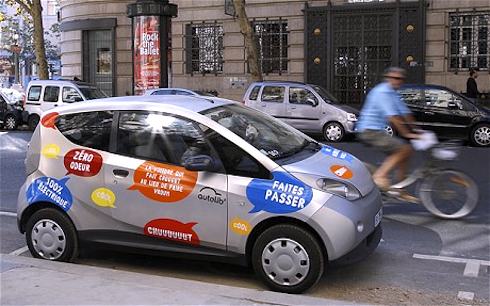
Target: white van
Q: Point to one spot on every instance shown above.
(43, 95)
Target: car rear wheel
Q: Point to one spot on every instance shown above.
(480, 135)
(288, 258)
(10, 122)
(33, 121)
(51, 235)
(333, 131)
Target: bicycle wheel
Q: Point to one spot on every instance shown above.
(449, 194)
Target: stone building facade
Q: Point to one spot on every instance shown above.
(443, 39)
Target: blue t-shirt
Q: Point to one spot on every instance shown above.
(381, 102)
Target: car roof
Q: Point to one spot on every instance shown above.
(425, 86)
(61, 82)
(187, 103)
(279, 83)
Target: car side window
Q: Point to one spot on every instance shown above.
(411, 96)
(91, 129)
(273, 94)
(51, 94)
(182, 93)
(254, 93)
(34, 93)
(437, 98)
(71, 95)
(161, 92)
(235, 160)
(159, 137)
(298, 95)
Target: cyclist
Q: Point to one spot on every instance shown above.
(384, 106)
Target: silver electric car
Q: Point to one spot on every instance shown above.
(192, 175)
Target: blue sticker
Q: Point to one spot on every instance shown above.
(337, 153)
(283, 194)
(48, 189)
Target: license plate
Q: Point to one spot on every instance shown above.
(378, 217)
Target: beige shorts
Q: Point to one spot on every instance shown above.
(381, 140)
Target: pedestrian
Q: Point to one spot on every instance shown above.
(384, 106)
(471, 86)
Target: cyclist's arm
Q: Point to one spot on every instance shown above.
(399, 124)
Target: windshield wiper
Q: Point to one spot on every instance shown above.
(310, 145)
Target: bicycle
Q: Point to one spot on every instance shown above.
(444, 192)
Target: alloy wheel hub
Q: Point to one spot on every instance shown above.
(482, 135)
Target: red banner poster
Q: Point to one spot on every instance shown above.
(146, 53)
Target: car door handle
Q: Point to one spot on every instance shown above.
(120, 172)
(55, 105)
(429, 113)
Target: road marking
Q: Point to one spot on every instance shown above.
(8, 214)
(468, 296)
(19, 251)
(472, 265)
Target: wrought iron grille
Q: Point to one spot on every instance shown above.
(206, 48)
(469, 40)
(362, 50)
(272, 40)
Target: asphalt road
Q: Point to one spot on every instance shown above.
(421, 259)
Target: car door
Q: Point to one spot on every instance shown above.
(441, 114)
(272, 101)
(303, 109)
(51, 96)
(156, 195)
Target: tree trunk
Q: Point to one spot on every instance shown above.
(40, 51)
(250, 41)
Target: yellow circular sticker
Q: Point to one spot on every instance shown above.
(240, 226)
(51, 151)
(103, 197)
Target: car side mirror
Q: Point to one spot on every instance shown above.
(199, 163)
(311, 101)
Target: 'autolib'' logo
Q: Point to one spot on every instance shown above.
(210, 195)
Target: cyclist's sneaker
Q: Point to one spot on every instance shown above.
(407, 197)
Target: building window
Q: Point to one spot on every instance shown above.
(272, 39)
(204, 48)
(470, 38)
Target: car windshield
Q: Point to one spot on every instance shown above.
(272, 137)
(326, 96)
(91, 93)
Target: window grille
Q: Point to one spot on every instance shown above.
(469, 40)
(204, 44)
(272, 40)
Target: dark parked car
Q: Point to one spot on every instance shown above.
(10, 114)
(447, 113)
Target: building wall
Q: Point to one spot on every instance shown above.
(228, 83)
(437, 44)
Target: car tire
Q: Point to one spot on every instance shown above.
(33, 121)
(288, 258)
(480, 135)
(51, 235)
(10, 122)
(333, 131)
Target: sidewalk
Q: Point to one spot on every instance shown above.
(26, 280)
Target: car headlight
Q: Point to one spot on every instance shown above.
(339, 188)
(351, 117)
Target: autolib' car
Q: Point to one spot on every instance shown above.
(448, 113)
(196, 176)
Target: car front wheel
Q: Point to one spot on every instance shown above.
(51, 235)
(480, 135)
(288, 258)
(333, 131)
(10, 122)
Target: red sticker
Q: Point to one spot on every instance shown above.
(162, 182)
(83, 162)
(342, 171)
(172, 230)
(49, 120)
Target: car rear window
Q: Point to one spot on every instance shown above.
(254, 93)
(34, 93)
(92, 129)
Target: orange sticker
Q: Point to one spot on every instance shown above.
(342, 171)
(162, 182)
